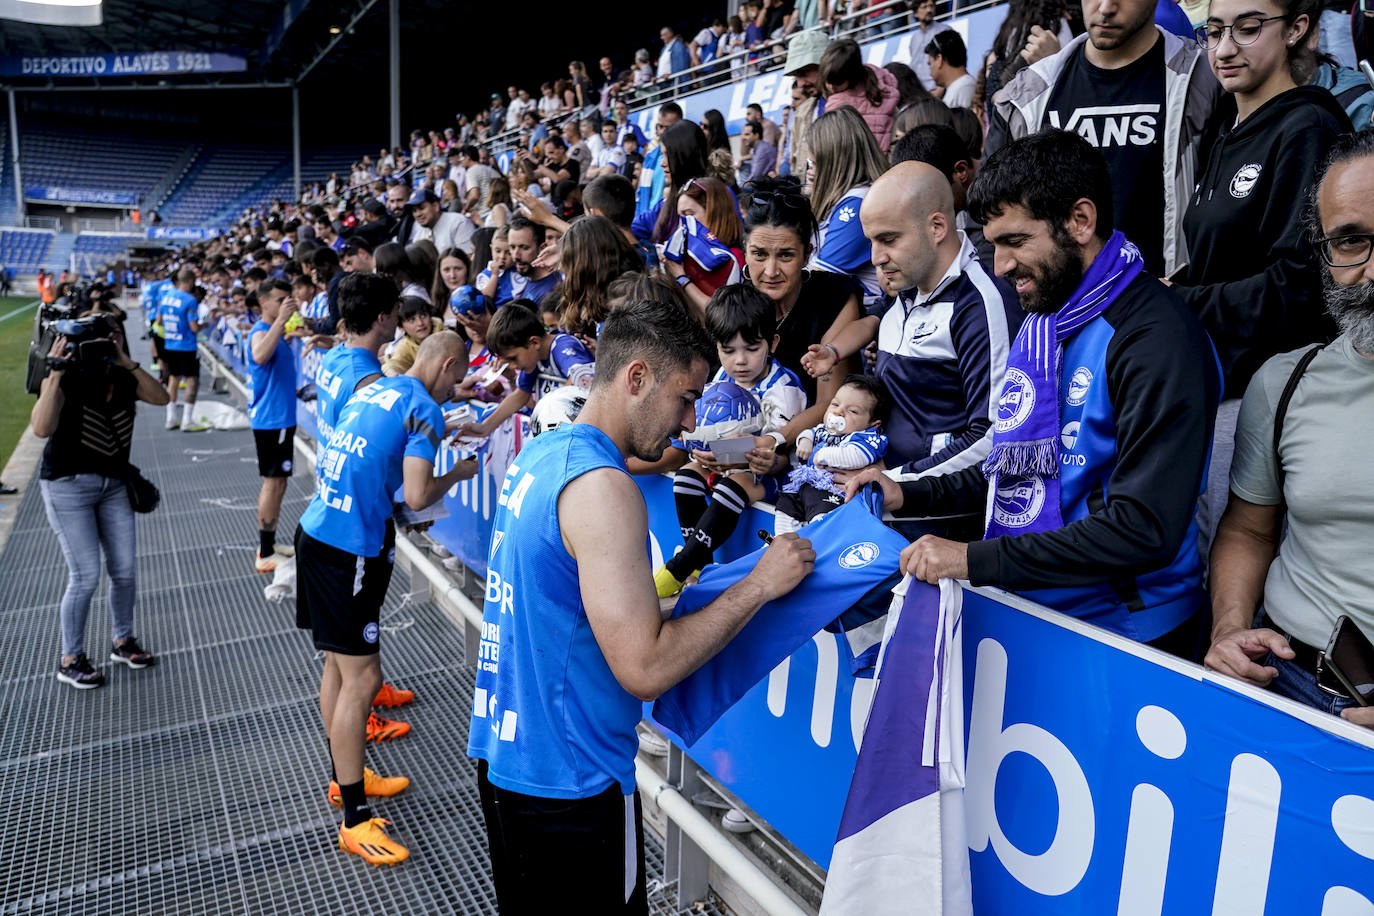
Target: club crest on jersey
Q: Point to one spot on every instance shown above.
(370, 633)
(1018, 501)
(1016, 401)
(857, 556)
(1245, 179)
(1079, 383)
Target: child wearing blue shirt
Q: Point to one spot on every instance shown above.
(850, 438)
(517, 336)
(711, 497)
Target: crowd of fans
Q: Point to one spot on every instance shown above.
(1062, 355)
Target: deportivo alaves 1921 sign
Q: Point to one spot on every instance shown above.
(144, 63)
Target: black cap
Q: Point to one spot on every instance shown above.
(374, 206)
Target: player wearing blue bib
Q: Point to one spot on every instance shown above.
(387, 439)
(573, 638)
(179, 313)
(517, 336)
(368, 305)
(272, 410)
(148, 300)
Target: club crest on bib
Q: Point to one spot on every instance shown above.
(1245, 179)
(1016, 401)
(1018, 501)
(1079, 383)
(857, 556)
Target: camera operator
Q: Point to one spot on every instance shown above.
(85, 410)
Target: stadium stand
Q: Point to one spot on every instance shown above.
(25, 250)
(87, 158)
(219, 175)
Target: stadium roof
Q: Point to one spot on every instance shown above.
(278, 39)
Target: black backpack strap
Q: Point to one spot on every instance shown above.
(1281, 409)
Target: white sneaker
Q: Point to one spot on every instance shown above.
(172, 423)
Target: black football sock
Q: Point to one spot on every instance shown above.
(690, 494)
(267, 542)
(354, 804)
(728, 502)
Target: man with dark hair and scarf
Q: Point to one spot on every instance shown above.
(1099, 448)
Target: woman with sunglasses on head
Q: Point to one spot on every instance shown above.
(1252, 276)
(812, 305)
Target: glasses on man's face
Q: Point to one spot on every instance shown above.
(1244, 31)
(1346, 250)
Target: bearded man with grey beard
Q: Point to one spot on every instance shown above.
(1303, 443)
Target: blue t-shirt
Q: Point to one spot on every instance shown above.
(515, 285)
(388, 421)
(150, 296)
(177, 309)
(568, 359)
(843, 247)
(548, 715)
(340, 371)
(273, 401)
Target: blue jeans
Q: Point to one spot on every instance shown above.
(90, 512)
(1299, 684)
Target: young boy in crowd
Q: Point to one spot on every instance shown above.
(517, 336)
(711, 497)
(418, 323)
(850, 438)
(500, 263)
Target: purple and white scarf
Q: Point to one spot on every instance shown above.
(1023, 466)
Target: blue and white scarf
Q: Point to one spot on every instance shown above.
(1023, 466)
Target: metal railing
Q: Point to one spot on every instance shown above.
(891, 16)
(97, 224)
(43, 222)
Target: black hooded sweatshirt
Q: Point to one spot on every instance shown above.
(1252, 276)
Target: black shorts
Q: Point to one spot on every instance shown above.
(540, 847)
(339, 595)
(276, 448)
(182, 363)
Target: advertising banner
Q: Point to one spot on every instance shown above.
(180, 234)
(142, 63)
(62, 195)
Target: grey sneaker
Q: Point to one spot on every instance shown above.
(80, 674)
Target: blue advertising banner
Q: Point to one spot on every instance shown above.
(140, 64)
(82, 196)
(1105, 777)
(180, 234)
(1102, 776)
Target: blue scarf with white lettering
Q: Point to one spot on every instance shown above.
(1023, 466)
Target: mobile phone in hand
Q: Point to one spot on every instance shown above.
(1350, 657)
